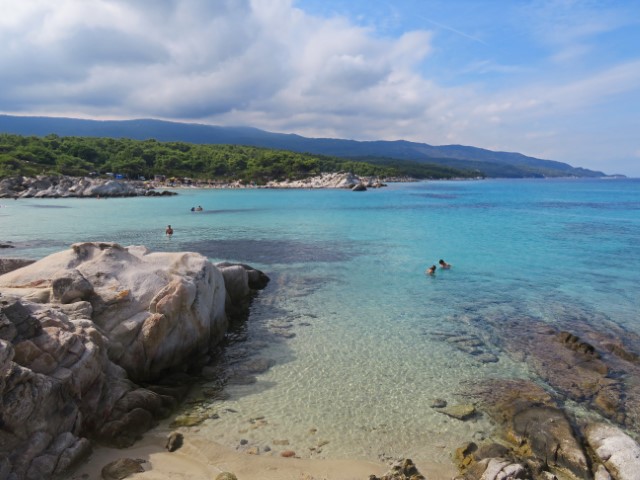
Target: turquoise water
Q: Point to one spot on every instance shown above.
(359, 339)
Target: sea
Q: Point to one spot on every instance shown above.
(346, 351)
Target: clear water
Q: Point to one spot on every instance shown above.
(354, 329)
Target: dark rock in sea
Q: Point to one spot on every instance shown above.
(360, 187)
(438, 403)
(241, 281)
(256, 279)
(6, 245)
(154, 193)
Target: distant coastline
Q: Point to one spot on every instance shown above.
(52, 186)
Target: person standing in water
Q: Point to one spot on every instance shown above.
(431, 270)
(169, 231)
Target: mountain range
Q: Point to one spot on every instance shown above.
(485, 162)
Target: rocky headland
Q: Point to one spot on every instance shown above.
(96, 344)
(331, 180)
(336, 180)
(50, 186)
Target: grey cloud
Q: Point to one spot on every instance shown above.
(196, 59)
(97, 46)
(267, 64)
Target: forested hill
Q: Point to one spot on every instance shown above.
(81, 156)
(483, 162)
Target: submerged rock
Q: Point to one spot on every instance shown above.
(459, 412)
(531, 420)
(597, 369)
(438, 403)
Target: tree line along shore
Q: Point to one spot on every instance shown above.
(136, 159)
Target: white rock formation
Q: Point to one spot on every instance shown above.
(328, 180)
(157, 309)
(51, 186)
(617, 451)
(76, 327)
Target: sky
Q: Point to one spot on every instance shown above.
(554, 79)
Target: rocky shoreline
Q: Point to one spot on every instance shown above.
(100, 342)
(75, 187)
(51, 186)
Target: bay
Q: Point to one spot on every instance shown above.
(358, 341)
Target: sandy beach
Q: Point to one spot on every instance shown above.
(201, 459)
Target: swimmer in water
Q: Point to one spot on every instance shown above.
(444, 264)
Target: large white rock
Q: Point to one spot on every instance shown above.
(76, 327)
(617, 451)
(158, 310)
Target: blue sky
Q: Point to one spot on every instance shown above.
(555, 79)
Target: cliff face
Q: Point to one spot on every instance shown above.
(79, 327)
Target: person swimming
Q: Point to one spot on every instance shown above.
(444, 264)
(431, 270)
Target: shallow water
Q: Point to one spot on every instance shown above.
(360, 341)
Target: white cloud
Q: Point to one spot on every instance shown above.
(270, 65)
